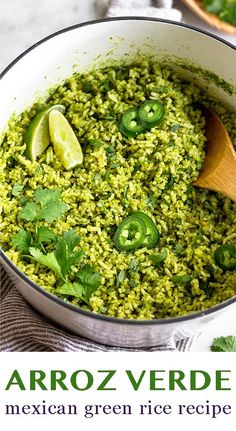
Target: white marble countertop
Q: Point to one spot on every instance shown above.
(24, 22)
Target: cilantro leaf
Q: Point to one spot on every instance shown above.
(45, 235)
(46, 205)
(17, 189)
(52, 208)
(65, 251)
(71, 289)
(224, 344)
(49, 260)
(90, 280)
(181, 279)
(158, 259)
(88, 283)
(29, 212)
(22, 241)
(43, 196)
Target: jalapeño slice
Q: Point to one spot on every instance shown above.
(152, 234)
(225, 257)
(130, 233)
(130, 124)
(151, 113)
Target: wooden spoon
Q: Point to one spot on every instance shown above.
(219, 169)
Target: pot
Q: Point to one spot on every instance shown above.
(83, 46)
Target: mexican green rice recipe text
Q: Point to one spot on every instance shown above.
(113, 224)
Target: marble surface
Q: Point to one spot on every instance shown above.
(24, 22)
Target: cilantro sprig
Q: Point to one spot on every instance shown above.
(64, 256)
(59, 254)
(88, 281)
(224, 344)
(46, 205)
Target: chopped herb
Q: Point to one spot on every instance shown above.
(121, 73)
(133, 283)
(97, 177)
(110, 150)
(204, 285)
(178, 250)
(224, 344)
(17, 189)
(115, 165)
(134, 265)
(207, 206)
(181, 279)
(107, 85)
(106, 175)
(158, 259)
(136, 167)
(125, 200)
(178, 221)
(87, 86)
(198, 237)
(160, 89)
(151, 201)
(96, 143)
(120, 277)
(189, 202)
(111, 115)
(170, 182)
(190, 188)
(175, 127)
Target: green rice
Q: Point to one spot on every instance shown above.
(152, 173)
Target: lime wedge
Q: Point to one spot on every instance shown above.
(37, 136)
(64, 140)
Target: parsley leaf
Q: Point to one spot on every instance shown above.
(65, 251)
(224, 344)
(49, 260)
(22, 241)
(46, 205)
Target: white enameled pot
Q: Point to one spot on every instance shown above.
(80, 48)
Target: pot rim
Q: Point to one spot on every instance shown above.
(49, 295)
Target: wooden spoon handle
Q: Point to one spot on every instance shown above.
(223, 178)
